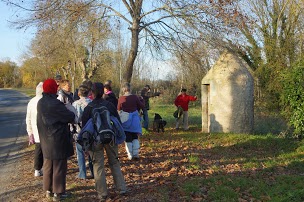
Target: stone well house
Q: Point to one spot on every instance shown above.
(227, 97)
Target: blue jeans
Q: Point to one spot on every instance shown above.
(146, 119)
(81, 161)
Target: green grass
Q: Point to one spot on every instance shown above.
(27, 91)
(237, 167)
(224, 167)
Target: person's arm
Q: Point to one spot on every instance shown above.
(177, 101)
(119, 104)
(140, 102)
(66, 115)
(192, 98)
(29, 128)
(113, 110)
(78, 111)
(28, 120)
(142, 93)
(57, 112)
(86, 115)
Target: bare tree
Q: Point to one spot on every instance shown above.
(74, 45)
(267, 34)
(156, 23)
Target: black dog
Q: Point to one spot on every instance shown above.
(159, 123)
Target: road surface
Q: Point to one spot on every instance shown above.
(13, 135)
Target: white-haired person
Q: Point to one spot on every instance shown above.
(32, 131)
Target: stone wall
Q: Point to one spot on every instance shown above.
(227, 97)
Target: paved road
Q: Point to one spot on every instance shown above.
(13, 135)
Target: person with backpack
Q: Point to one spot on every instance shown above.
(128, 107)
(79, 105)
(97, 148)
(53, 118)
(32, 130)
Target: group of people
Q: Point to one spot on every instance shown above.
(55, 117)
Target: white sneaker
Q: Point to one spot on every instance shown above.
(38, 173)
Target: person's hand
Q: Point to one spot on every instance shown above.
(31, 139)
(195, 97)
(157, 94)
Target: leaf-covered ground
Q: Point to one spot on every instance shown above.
(189, 166)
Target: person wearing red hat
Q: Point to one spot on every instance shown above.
(53, 117)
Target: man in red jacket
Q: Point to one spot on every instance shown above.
(182, 101)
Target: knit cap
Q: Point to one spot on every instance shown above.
(50, 86)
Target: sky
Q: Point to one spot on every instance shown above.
(13, 43)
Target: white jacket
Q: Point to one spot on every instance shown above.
(31, 114)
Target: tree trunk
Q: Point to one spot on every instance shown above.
(127, 76)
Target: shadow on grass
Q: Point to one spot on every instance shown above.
(224, 172)
(178, 166)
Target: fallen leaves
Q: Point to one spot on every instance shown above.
(166, 163)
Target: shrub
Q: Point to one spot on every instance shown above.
(292, 98)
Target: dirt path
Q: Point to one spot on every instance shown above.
(158, 176)
(12, 178)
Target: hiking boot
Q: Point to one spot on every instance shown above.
(135, 158)
(60, 197)
(38, 173)
(90, 177)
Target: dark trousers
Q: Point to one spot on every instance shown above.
(38, 159)
(54, 175)
(91, 165)
(131, 136)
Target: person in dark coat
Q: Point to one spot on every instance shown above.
(109, 95)
(146, 94)
(53, 117)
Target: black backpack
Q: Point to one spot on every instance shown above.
(104, 133)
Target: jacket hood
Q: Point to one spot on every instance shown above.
(39, 89)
